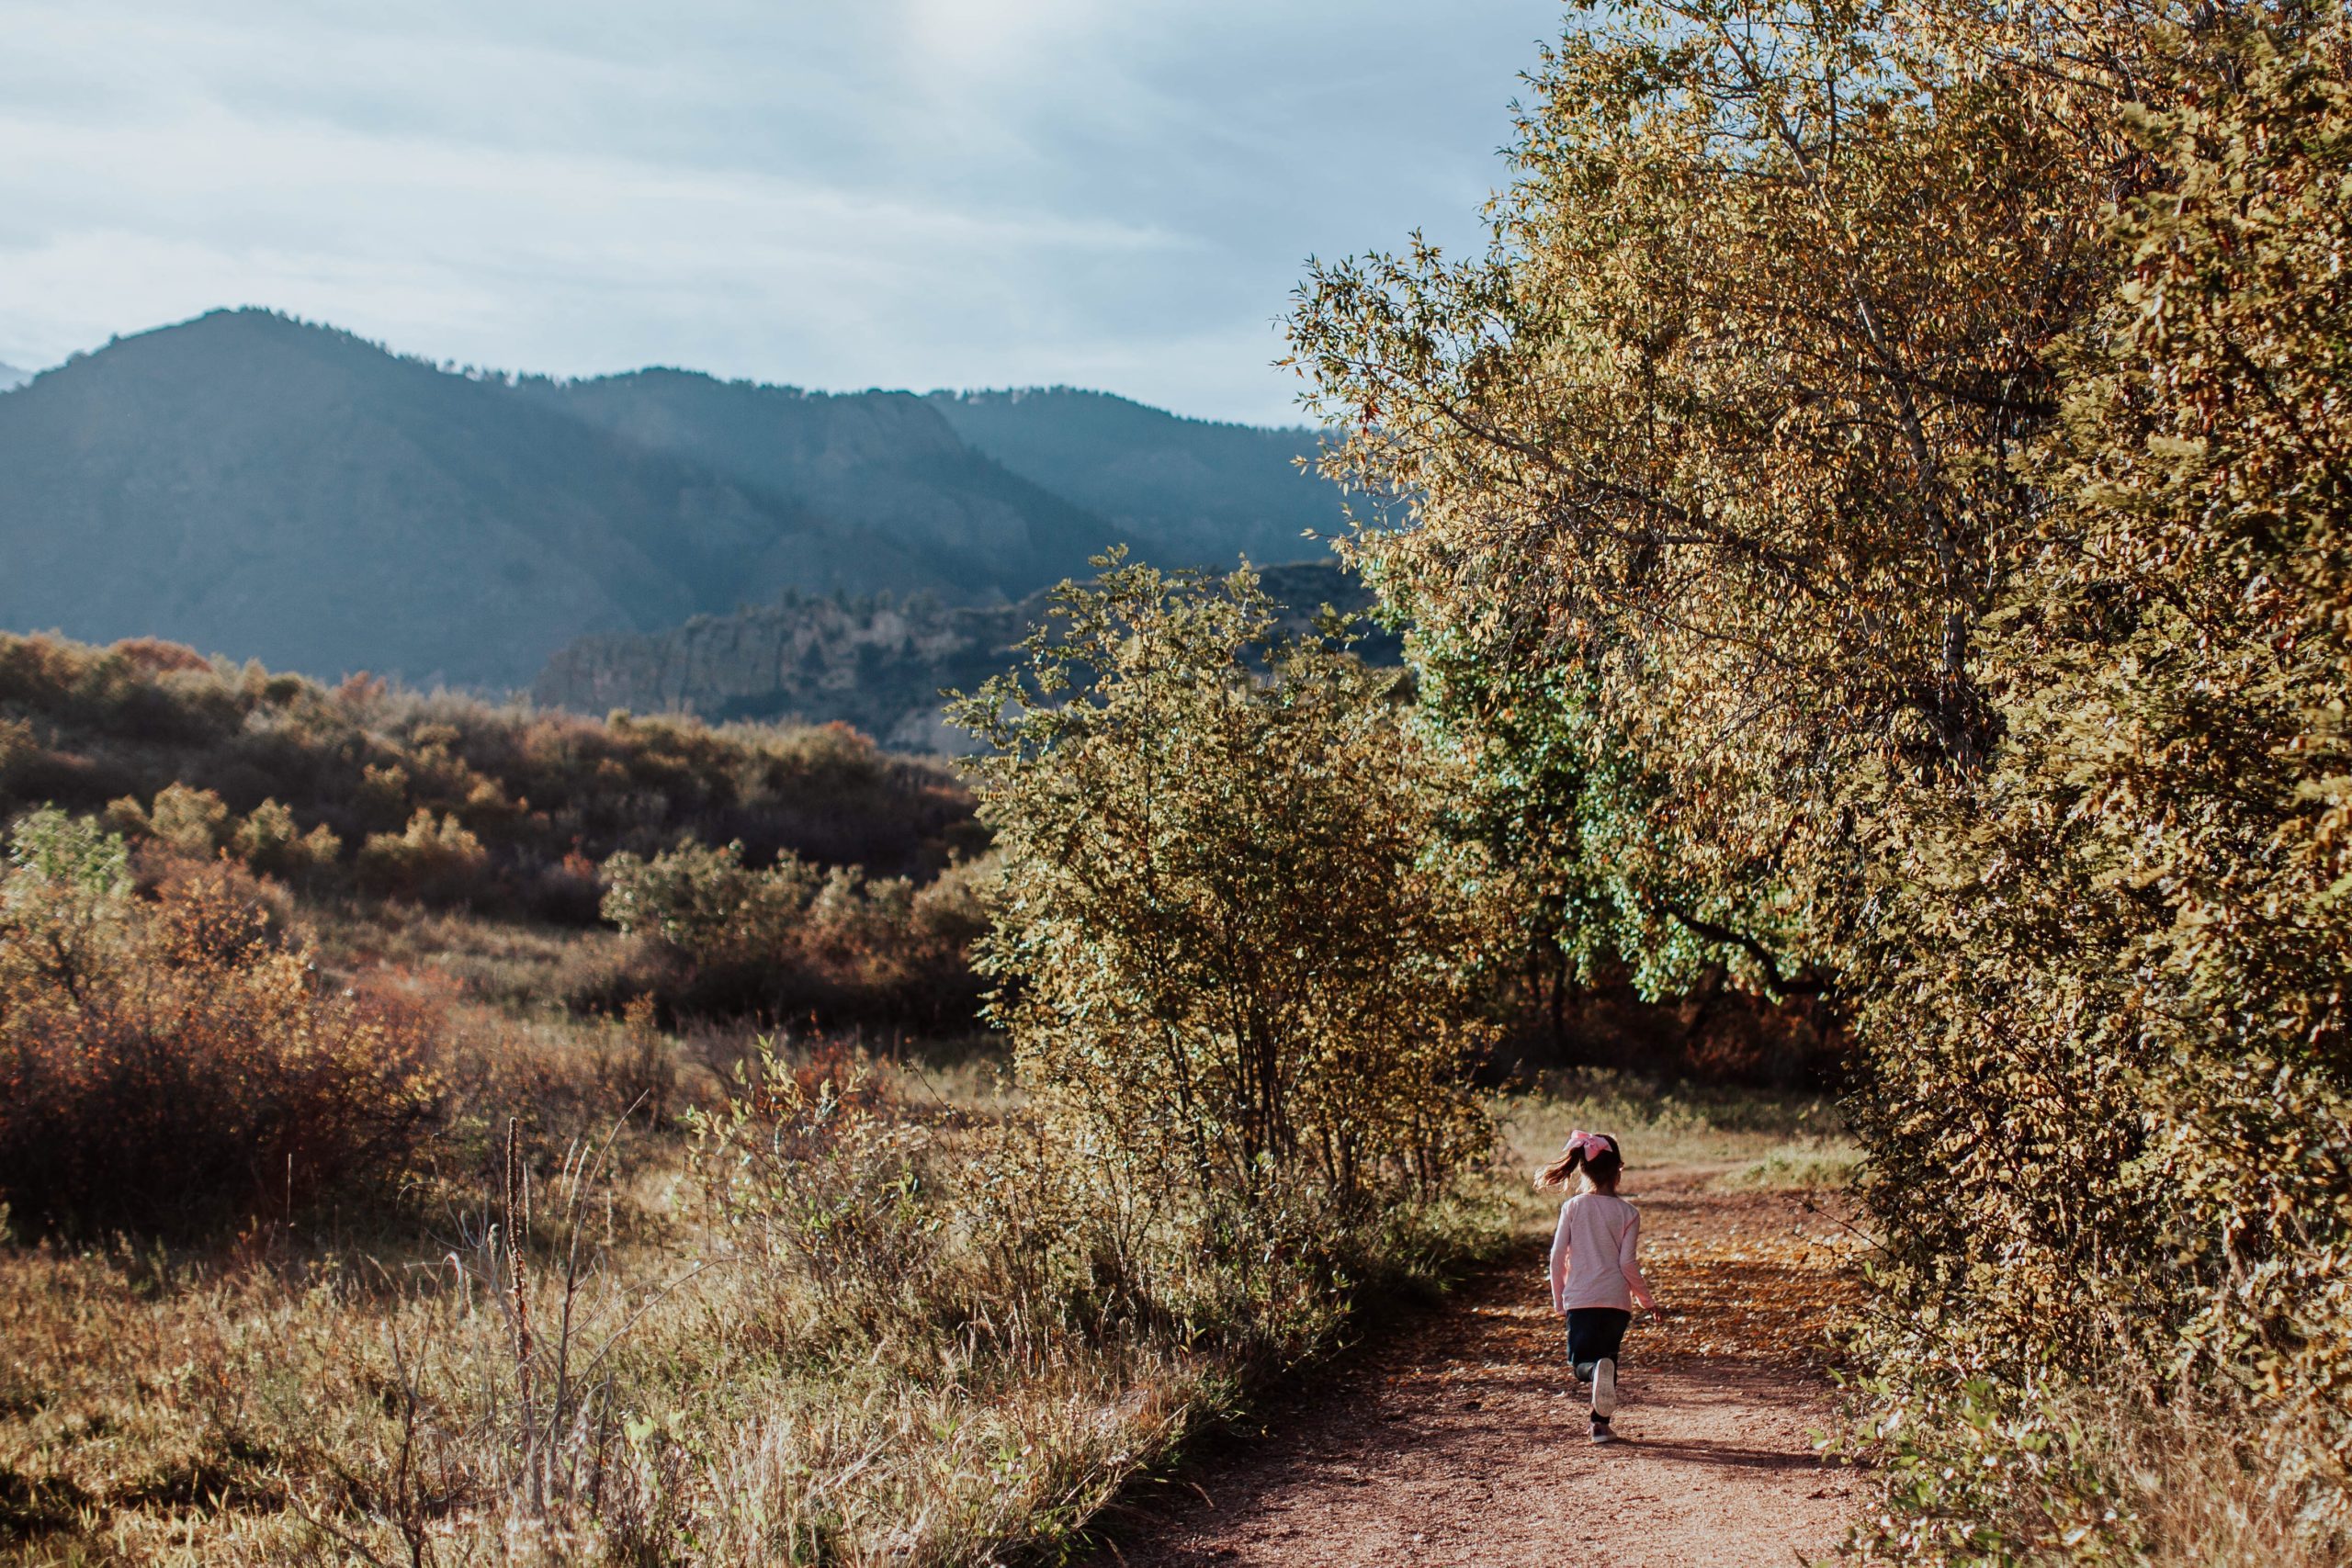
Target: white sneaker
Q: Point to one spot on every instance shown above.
(1604, 1389)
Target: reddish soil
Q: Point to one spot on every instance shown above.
(1460, 1440)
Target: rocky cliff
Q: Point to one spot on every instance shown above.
(874, 663)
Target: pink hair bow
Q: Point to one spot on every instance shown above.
(1591, 1143)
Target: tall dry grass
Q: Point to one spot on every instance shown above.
(865, 1318)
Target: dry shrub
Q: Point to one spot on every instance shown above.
(542, 796)
(271, 842)
(2208, 1485)
(820, 1183)
(170, 1061)
(715, 936)
(193, 821)
(2136, 1469)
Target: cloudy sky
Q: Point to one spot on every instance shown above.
(829, 193)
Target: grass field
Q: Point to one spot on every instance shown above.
(606, 1354)
(1740, 1136)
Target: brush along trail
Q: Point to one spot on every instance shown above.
(1460, 1440)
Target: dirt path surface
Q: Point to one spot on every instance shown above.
(1461, 1442)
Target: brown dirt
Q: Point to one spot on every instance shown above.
(1460, 1440)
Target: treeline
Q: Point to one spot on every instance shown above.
(1881, 519)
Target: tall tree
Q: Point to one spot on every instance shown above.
(1921, 426)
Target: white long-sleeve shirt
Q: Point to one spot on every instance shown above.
(1593, 1262)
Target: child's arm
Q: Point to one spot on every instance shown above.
(1625, 1251)
(1560, 1260)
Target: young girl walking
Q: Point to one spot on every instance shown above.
(1595, 1277)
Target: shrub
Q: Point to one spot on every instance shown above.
(814, 1171)
(193, 821)
(271, 842)
(435, 858)
(786, 939)
(706, 905)
(1226, 952)
(166, 1064)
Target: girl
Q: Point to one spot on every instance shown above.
(1595, 1279)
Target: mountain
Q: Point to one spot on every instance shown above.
(11, 377)
(268, 489)
(878, 664)
(887, 459)
(1181, 489)
(265, 489)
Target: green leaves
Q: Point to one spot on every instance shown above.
(69, 853)
(1881, 511)
(1228, 953)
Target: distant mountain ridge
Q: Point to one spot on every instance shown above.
(1196, 488)
(264, 488)
(11, 377)
(886, 459)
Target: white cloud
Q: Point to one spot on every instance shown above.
(893, 192)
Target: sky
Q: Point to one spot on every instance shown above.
(835, 193)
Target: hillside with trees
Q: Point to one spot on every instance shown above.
(1182, 490)
(265, 489)
(1869, 543)
(878, 663)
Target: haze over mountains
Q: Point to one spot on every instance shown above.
(11, 377)
(264, 488)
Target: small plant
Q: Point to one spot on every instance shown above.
(271, 842)
(814, 1173)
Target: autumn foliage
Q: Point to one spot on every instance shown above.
(174, 1062)
(1227, 944)
(445, 800)
(1918, 429)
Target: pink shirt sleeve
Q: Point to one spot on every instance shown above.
(1626, 1259)
(1559, 1258)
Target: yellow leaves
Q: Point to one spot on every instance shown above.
(1229, 940)
(1951, 515)
(1774, 1295)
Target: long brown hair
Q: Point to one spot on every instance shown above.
(1600, 1168)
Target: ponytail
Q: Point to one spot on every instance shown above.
(1594, 1153)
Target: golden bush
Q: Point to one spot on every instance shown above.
(1921, 429)
(1226, 950)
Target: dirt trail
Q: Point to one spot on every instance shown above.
(1460, 1441)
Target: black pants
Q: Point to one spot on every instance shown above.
(1594, 1334)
